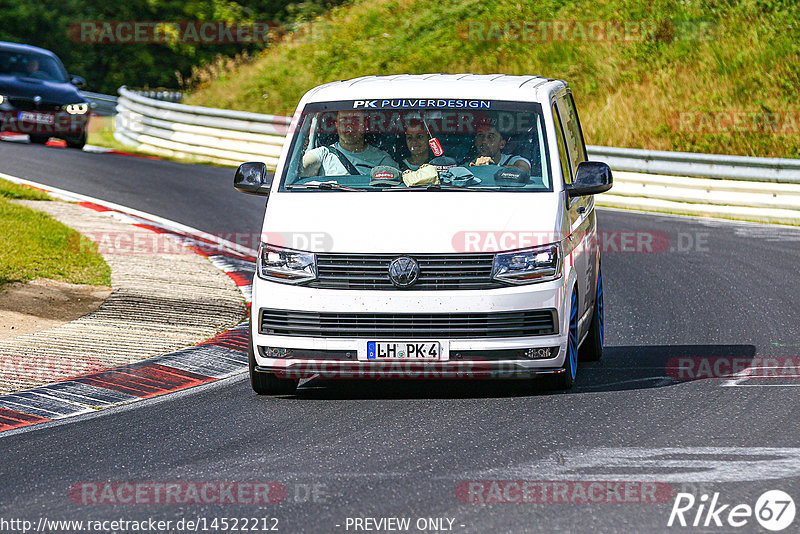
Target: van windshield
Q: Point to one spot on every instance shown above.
(419, 144)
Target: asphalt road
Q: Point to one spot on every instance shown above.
(349, 450)
(202, 195)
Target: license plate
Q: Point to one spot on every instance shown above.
(39, 118)
(407, 350)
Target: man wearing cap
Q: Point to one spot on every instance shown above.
(490, 144)
(350, 155)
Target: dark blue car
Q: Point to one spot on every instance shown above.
(39, 98)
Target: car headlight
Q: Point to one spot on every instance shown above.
(527, 266)
(80, 108)
(2, 99)
(285, 265)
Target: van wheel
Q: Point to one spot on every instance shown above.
(266, 383)
(592, 348)
(566, 379)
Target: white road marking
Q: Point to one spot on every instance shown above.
(745, 376)
(668, 464)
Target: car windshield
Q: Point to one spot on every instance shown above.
(31, 65)
(419, 144)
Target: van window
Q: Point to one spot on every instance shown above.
(368, 145)
(572, 131)
(562, 152)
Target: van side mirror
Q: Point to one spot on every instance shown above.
(592, 177)
(77, 81)
(252, 178)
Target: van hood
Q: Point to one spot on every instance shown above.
(411, 221)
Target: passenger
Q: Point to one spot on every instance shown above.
(490, 143)
(350, 155)
(417, 144)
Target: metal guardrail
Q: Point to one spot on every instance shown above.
(736, 187)
(105, 105)
(769, 202)
(217, 135)
(166, 96)
(701, 165)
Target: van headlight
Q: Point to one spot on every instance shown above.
(285, 265)
(527, 266)
(80, 108)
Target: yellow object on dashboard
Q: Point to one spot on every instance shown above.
(425, 175)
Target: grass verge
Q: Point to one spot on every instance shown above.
(34, 245)
(716, 77)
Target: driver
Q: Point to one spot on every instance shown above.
(490, 143)
(32, 68)
(350, 155)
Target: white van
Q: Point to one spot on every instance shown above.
(430, 226)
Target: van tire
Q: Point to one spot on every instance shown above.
(592, 348)
(266, 383)
(566, 378)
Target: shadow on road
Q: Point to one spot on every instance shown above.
(622, 368)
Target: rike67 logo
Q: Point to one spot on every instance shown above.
(774, 510)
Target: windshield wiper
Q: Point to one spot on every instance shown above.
(328, 186)
(448, 187)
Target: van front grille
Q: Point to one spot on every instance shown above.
(436, 271)
(409, 325)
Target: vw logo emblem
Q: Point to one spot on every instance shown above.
(37, 99)
(403, 271)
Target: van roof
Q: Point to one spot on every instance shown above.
(487, 86)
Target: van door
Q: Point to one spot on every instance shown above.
(580, 210)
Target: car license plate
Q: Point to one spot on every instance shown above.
(39, 118)
(407, 350)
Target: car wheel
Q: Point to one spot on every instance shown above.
(266, 383)
(77, 142)
(39, 139)
(592, 348)
(566, 379)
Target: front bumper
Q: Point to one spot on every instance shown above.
(63, 124)
(444, 370)
(295, 356)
